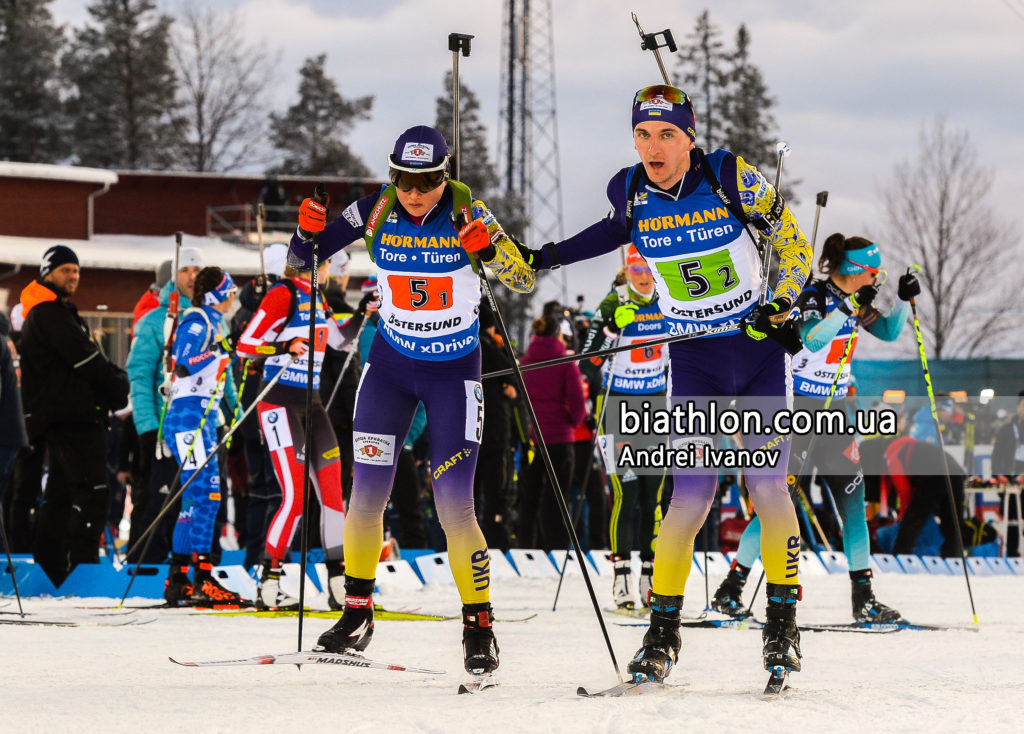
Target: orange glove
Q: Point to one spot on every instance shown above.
(474, 236)
(298, 346)
(312, 216)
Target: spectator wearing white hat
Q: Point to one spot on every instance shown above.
(156, 467)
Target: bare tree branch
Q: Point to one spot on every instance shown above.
(224, 79)
(938, 215)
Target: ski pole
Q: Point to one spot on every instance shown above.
(172, 317)
(348, 360)
(957, 512)
(215, 398)
(10, 561)
(261, 215)
(457, 42)
(726, 328)
(821, 201)
(212, 454)
(586, 474)
(320, 196)
(783, 150)
(241, 391)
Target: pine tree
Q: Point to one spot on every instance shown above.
(476, 170)
(701, 69)
(310, 133)
(31, 122)
(748, 127)
(122, 107)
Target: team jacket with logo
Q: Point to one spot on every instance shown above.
(430, 294)
(198, 359)
(640, 371)
(706, 268)
(277, 320)
(825, 331)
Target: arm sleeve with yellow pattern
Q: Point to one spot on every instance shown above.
(507, 263)
(757, 195)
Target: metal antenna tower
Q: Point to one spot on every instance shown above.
(528, 126)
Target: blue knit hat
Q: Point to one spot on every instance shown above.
(664, 103)
(221, 293)
(419, 149)
(861, 259)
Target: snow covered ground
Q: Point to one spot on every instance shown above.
(118, 679)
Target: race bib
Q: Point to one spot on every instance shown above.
(183, 440)
(276, 430)
(474, 411)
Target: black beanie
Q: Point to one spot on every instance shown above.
(55, 257)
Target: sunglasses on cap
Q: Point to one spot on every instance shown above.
(665, 92)
(424, 181)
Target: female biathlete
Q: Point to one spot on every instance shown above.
(630, 314)
(828, 310)
(686, 213)
(425, 349)
(201, 356)
(279, 332)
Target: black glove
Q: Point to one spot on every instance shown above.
(909, 286)
(861, 299)
(770, 321)
(532, 257)
(365, 301)
(590, 422)
(259, 286)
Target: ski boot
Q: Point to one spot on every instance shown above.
(178, 586)
(269, 595)
(622, 584)
(780, 634)
(208, 591)
(661, 645)
(479, 648)
(867, 609)
(729, 595)
(353, 631)
(644, 587)
(335, 584)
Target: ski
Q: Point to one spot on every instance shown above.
(728, 623)
(629, 611)
(777, 684)
(478, 683)
(378, 614)
(627, 688)
(308, 657)
(42, 622)
(881, 627)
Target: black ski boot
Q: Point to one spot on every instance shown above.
(479, 648)
(178, 586)
(780, 634)
(353, 631)
(866, 608)
(209, 592)
(729, 595)
(335, 584)
(661, 645)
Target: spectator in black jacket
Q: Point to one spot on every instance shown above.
(12, 423)
(68, 389)
(1008, 461)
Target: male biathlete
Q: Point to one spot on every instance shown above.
(426, 349)
(630, 314)
(707, 274)
(826, 314)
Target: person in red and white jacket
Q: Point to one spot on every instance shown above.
(279, 333)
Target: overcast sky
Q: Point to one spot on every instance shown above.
(854, 82)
